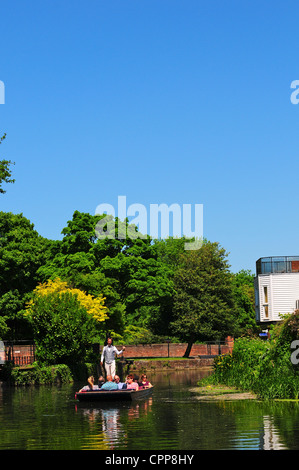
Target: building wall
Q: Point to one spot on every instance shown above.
(285, 292)
(282, 291)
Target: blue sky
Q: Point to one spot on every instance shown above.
(162, 101)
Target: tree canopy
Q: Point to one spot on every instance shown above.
(204, 306)
(152, 289)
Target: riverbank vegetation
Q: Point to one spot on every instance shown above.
(267, 368)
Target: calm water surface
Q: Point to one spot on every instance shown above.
(49, 418)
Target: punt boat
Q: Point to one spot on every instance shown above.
(114, 395)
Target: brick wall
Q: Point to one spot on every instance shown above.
(177, 349)
(24, 354)
(20, 354)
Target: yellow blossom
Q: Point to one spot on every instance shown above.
(94, 305)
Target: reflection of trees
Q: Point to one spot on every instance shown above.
(286, 417)
(197, 426)
(40, 418)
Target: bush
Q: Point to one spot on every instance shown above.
(62, 328)
(37, 375)
(240, 368)
(263, 367)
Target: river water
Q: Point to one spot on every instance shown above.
(49, 418)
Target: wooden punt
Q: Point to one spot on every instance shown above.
(114, 395)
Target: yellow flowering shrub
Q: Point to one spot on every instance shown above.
(94, 305)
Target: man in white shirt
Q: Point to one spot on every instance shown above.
(108, 354)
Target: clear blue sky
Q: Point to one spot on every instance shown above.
(164, 101)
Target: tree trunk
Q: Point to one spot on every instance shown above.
(188, 349)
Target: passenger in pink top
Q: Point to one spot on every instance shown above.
(131, 385)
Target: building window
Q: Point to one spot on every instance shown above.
(265, 295)
(266, 307)
(266, 310)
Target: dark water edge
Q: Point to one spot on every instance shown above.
(49, 418)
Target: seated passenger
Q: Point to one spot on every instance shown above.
(109, 385)
(144, 383)
(90, 386)
(131, 385)
(120, 384)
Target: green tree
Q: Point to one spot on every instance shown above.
(96, 283)
(62, 328)
(144, 285)
(204, 307)
(22, 252)
(77, 260)
(168, 251)
(129, 272)
(243, 287)
(5, 171)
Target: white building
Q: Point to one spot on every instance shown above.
(276, 287)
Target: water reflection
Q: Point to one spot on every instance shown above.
(108, 422)
(271, 438)
(172, 418)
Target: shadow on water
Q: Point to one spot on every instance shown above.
(172, 419)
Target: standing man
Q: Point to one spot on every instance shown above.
(108, 354)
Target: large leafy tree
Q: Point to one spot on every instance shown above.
(128, 271)
(22, 252)
(64, 321)
(5, 171)
(62, 328)
(145, 286)
(243, 287)
(204, 307)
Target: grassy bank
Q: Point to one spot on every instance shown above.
(221, 392)
(262, 367)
